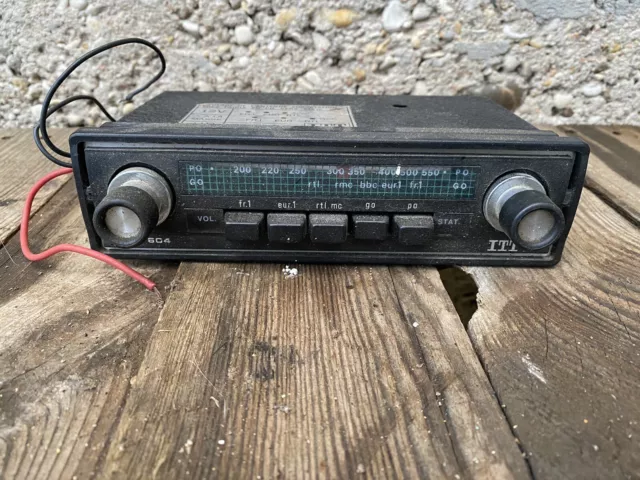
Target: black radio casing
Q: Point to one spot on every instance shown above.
(403, 131)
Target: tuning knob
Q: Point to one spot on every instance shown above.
(518, 205)
(137, 200)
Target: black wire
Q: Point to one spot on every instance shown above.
(54, 109)
(40, 130)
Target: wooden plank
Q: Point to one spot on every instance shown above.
(614, 171)
(561, 347)
(481, 436)
(250, 374)
(628, 135)
(72, 333)
(22, 164)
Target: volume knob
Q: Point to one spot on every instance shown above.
(137, 200)
(518, 205)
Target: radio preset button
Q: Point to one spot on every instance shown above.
(286, 227)
(370, 227)
(328, 227)
(413, 229)
(243, 226)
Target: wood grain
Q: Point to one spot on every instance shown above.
(481, 437)
(561, 347)
(249, 374)
(72, 333)
(613, 172)
(630, 136)
(22, 164)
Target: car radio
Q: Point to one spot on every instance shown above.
(327, 178)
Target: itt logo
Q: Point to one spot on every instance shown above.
(502, 246)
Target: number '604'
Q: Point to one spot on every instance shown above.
(158, 240)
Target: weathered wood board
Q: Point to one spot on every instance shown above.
(22, 164)
(561, 347)
(614, 169)
(72, 333)
(249, 374)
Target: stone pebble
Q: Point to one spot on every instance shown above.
(244, 35)
(395, 16)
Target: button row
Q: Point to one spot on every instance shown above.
(326, 228)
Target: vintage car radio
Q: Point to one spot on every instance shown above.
(328, 178)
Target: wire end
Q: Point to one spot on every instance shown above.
(159, 295)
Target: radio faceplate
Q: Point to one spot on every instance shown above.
(430, 197)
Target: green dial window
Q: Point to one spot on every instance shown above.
(329, 181)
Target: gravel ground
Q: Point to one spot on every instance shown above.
(552, 61)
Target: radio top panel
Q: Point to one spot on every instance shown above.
(238, 176)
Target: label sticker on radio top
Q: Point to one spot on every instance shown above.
(254, 114)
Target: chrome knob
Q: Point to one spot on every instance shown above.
(137, 200)
(517, 204)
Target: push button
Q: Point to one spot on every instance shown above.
(205, 221)
(243, 226)
(286, 227)
(413, 229)
(370, 227)
(328, 228)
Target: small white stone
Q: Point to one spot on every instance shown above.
(62, 5)
(304, 84)
(128, 108)
(562, 100)
(320, 42)
(35, 111)
(444, 7)
(387, 63)
(449, 35)
(420, 88)
(510, 63)
(221, 442)
(95, 10)
(394, 16)
(244, 62)
(313, 78)
(415, 324)
(278, 52)
(74, 120)
(510, 32)
(422, 11)
(244, 35)
(78, 4)
(34, 91)
(235, 4)
(592, 90)
(14, 62)
(348, 54)
(192, 28)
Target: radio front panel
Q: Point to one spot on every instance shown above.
(312, 205)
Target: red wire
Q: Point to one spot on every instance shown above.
(34, 257)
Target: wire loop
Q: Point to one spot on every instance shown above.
(40, 133)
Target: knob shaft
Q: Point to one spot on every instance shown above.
(519, 206)
(138, 199)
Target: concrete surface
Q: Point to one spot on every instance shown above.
(553, 61)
